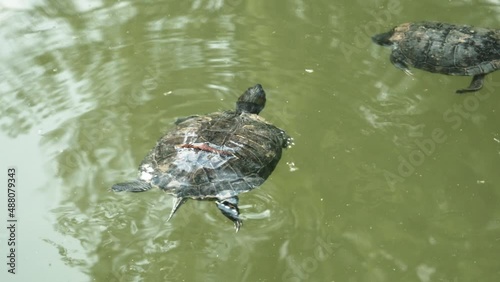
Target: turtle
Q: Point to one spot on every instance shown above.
(444, 48)
(214, 157)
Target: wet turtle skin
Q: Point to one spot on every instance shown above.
(214, 157)
(444, 48)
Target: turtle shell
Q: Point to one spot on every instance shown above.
(214, 157)
(444, 48)
(218, 155)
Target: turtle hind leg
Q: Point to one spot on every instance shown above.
(229, 208)
(177, 204)
(132, 186)
(475, 84)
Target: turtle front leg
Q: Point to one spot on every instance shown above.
(399, 63)
(475, 84)
(229, 208)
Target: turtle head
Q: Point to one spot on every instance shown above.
(393, 36)
(252, 100)
(384, 39)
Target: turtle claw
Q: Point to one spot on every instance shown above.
(237, 224)
(408, 72)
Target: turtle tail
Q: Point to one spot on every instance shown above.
(132, 186)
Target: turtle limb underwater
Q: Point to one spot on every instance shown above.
(475, 85)
(132, 186)
(227, 206)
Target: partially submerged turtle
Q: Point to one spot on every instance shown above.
(214, 157)
(444, 48)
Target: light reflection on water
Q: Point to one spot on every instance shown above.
(99, 82)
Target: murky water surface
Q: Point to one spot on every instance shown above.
(392, 177)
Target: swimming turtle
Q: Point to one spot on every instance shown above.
(444, 48)
(214, 157)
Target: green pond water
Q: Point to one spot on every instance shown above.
(391, 178)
